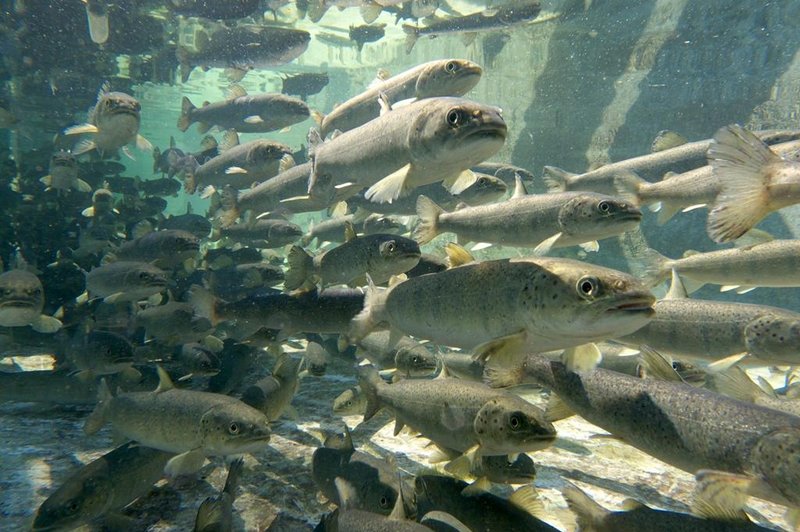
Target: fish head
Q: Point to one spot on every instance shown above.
(485, 189)
(181, 242)
(21, 298)
(376, 223)
(233, 427)
(508, 424)
(147, 276)
(349, 403)
(586, 302)
(114, 107)
(460, 131)
(499, 469)
(77, 501)
(450, 77)
(267, 152)
(63, 159)
(415, 361)
(775, 458)
(598, 215)
(395, 254)
(284, 231)
(774, 336)
(200, 360)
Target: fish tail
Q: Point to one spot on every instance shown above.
(230, 206)
(185, 120)
(628, 186)
(497, 376)
(301, 265)
(588, 514)
(234, 472)
(412, 34)
(740, 161)
(428, 212)
(657, 267)
(204, 303)
(369, 380)
(190, 179)
(556, 179)
(316, 10)
(370, 316)
(98, 416)
(735, 383)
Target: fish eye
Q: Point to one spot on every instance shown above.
(450, 67)
(453, 117)
(482, 181)
(514, 421)
(384, 502)
(588, 287)
(233, 428)
(604, 207)
(349, 403)
(144, 276)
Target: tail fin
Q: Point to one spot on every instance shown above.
(739, 159)
(369, 380)
(98, 416)
(185, 119)
(301, 266)
(588, 513)
(735, 383)
(232, 482)
(428, 212)
(628, 186)
(657, 267)
(204, 303)
(412, 34)
(316, 10)
(190, 180)
(229, 198)
(370, 316)
(556, 179)
(370, 11)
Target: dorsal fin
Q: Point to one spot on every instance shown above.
(676, 288)
(383, 101)
(519, 187)
(349, 232)
(164, 380)
(457, 255)
(236, 91)
(229, 139)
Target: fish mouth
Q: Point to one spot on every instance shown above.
(629, 216)
(489, 132)
(643, 305)
(123, 111)
(18, 303)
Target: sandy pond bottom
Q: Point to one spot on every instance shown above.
(42, 445)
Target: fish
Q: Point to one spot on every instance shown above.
(245, 113)
(545, 304)
(721, 331)
(304, 84)
(686, 191)
(63, 174)
(316, 359)
(376, 481)
(238, 281)
(638, 516)
(461, 365)
(192, 223)
(165, 249)
(382, 350)
(160, 187)
(243, 48)
(383, 154)
(484, 189)
(101, 353)
(46, 386)
(445, 77)
(273, 394)
(460, 416)
(333, 229)
(22, 302)
(650, 167)
(199, 360)
(326, 312)
(468, 25)
(216, 512)
(350, 402)
(540, 221)
(378, 255)
(415, 361)
(268, 233)
(367, 33)
(286, 191)
(173, 323)
(677, 423)
(114, 121)
(190, 424)
(169, 161)
(754, 181)
(97, 18)
(768, 264)
(102, 487)
(481, 511)
(125, 281)
(507, 172)
(238, 165)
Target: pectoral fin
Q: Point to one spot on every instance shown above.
(186, 463)
(46, 324)
(390, 187)
(81, 129)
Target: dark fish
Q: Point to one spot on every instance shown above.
(160, 187)
(368, 33)
(244, 48)
(214, 9)
(245, 113)
(216, 513)
(491, 19)
(304, 84)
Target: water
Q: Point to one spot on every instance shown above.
(591, 82)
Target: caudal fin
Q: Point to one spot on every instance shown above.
(229, 198)
(185, 119)
(739, 160)
(369, 380)
(301, 266)
(98, 416)
(556, 179)
(428, 212)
